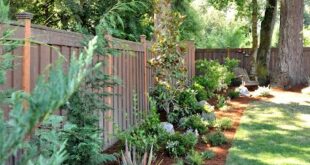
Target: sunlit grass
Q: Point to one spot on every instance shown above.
(271, 133)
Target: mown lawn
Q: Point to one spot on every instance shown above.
(275, 133)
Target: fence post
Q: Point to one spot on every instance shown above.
(228, 52)
(143, 41)
(108, 115)
(25, 18)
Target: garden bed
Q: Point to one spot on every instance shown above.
(234, 111)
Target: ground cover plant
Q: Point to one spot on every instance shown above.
(223, 123)
(179, 144)
(194, 122)
(146, 135)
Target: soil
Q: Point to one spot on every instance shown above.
(235, 112)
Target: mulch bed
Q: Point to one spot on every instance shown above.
(234, 112)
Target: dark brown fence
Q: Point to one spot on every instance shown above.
(245, 57)
(129, 66)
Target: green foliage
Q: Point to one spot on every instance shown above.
(233, 94)
(202, 94)
(194, 122)
(4, 11)
(168, 61)
(148, 133)
(77, 15)
(45, 142)
(224, 123)
(216, 138)
(194, 158)
(192, 26)
(179, 162)
(84, 138)
(52, 91)
(208, 154)
(6, 58)
(178, 144)
(231, 63)
(185, 105)
(187, 99)
(84, 144)
(131, 157)
(214, 76)
(221, 28)
(221, 101)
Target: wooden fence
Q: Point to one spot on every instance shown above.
(245, 57)
(130, 66)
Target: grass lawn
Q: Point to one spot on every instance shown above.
(274, 131)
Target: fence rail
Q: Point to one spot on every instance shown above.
(244, 55)
(129, 65)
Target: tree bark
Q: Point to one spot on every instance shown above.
(254, 24)
(254, 35)
(266, 32)
(289, 71)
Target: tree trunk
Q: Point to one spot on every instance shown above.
(254, 35)
(254, 24)
(266, 32)
(289, 71)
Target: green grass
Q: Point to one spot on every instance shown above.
(276, 134)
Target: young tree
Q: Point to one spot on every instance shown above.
(289, 71)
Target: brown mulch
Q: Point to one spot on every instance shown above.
(235, 111)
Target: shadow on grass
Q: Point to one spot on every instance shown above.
(272, 133)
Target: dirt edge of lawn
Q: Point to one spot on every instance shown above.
(235, 112)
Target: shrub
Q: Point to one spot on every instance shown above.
(194, 158)
(214, 76)
(178, 144)
(148, 133)
(224, 123)
(208, 155)
(202, 94)
(187, 99)
(186, 106)
(178, 113)
(231, 63)
(215, 138)
(131, 156)
(179, 162)
(233, 94)
(194, 122)
(221, 101)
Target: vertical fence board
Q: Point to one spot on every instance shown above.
(129, 66)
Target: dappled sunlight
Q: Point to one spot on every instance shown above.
(287, 97)
(274, 131)
(289, 127)
(305, 118)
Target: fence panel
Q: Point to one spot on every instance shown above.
(129, 66)
(244, 55)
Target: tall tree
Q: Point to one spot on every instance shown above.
(254, 24)
(266, 32)
(289, 71)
